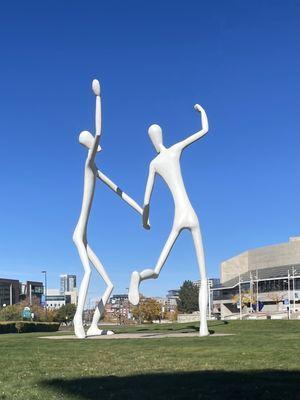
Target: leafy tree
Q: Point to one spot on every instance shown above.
(171, 316)
(148, 310)
(65, 313)
(188, 301)
(11, 313)
(277, 298)
(246, 296)
(39, 311)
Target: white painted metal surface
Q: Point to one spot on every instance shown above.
(86, 254)
(167, 165)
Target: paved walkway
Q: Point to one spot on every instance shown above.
(136, 336)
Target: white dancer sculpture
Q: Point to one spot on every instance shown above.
(167, 165)
(86, 254)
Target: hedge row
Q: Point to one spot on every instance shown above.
(23, 326)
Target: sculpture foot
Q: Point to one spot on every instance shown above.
(95, 331)
(78, 328)
(133, 295)
(203, 330)
(79, 332)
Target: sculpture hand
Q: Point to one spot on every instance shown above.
(145, 216)
(96, 87)
(97, 90)
(197, 107)
(147, 226)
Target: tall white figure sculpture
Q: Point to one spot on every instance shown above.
(167, 165)
(86, 254)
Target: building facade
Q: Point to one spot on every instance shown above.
(118, 308)
(9, 292)
(265, 279)
(172, 297)
(67, 283)
(32, 292)
(55, 299)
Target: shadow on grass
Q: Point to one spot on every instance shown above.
(213, 385)
(218, 322)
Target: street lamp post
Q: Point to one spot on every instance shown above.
(45, 286)
(4, 306)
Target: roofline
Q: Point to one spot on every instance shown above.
(260, 247)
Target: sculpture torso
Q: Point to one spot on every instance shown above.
(90, 175)
(167, 165)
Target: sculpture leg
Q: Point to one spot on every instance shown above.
(82, 251)
(94, 330)
(137, 277)
(203, 292)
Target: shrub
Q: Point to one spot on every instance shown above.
(23, 326)
(7, 327)
(10, 313)
(14, 312)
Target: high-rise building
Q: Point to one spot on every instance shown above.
(67, 283)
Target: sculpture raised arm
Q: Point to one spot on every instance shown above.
(98, 122)
(196, 136)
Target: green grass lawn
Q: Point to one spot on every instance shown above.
(261, 361)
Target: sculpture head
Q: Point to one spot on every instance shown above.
(155, 134)
(87, 140)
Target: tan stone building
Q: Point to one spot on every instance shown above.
(268, 276)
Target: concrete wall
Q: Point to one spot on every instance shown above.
(234, 266)
(277, 255)
(264, 257)
(189, 317)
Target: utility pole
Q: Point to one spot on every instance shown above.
(251, 292)
(257, 301)
(129, 316)
(45, 286)
(294, 299)
(240, 296)
(289, 296)
(209, 284)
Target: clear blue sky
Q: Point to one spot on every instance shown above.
(155, 60)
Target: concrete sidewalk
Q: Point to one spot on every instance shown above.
(137, 336)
